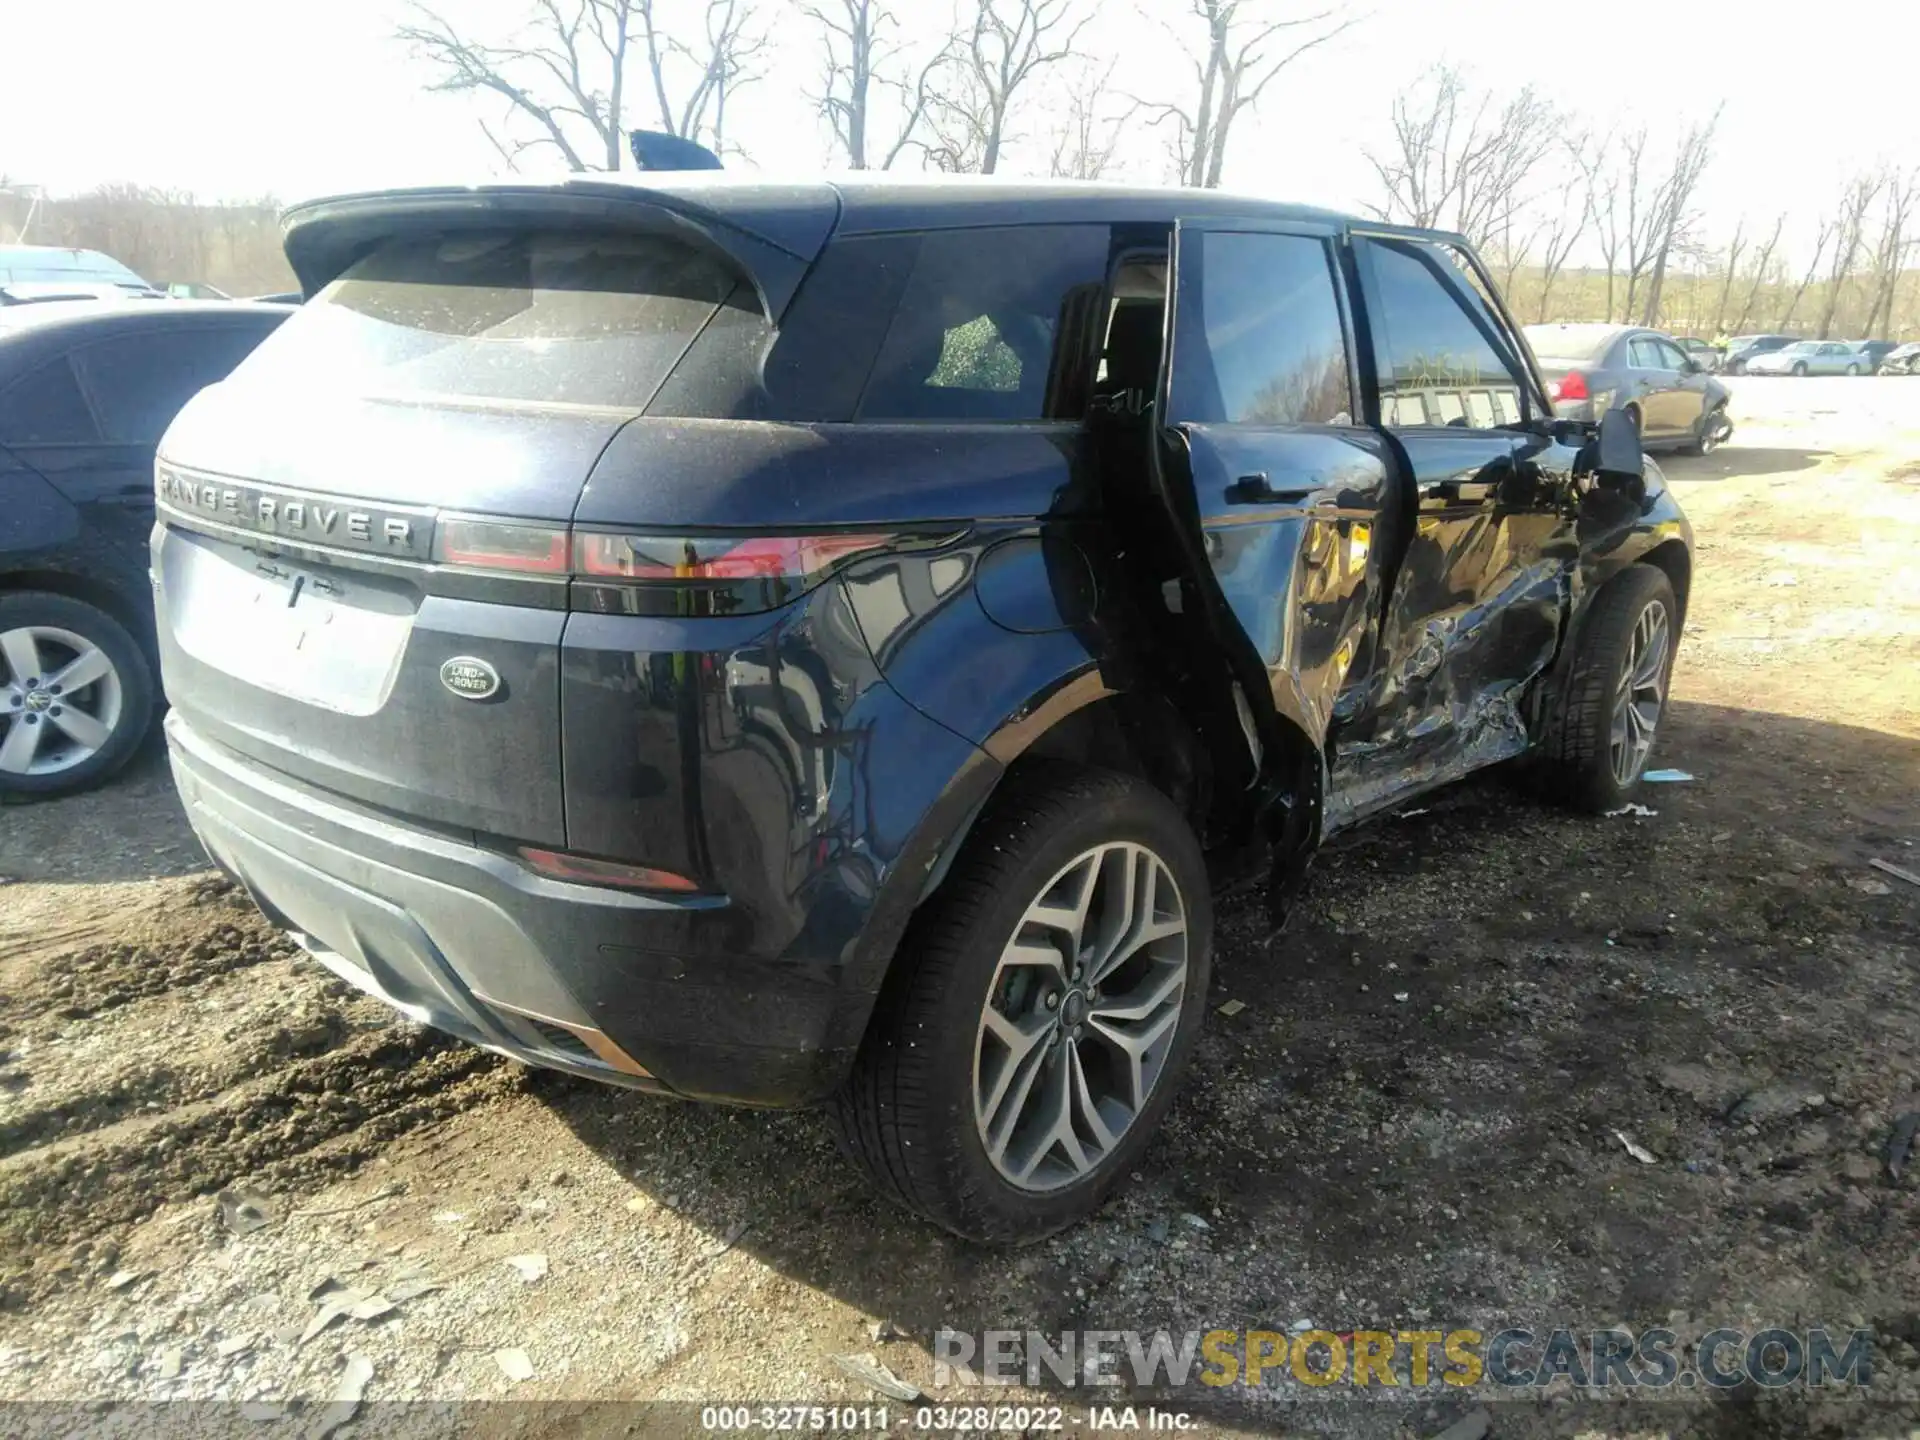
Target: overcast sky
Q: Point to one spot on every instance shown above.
(241, 98)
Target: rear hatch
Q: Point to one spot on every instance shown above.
(362, 555)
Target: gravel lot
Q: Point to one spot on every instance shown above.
(1410, 1124)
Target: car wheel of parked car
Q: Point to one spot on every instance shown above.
(1800, 369)
(1712, 430)
(1852, 370)
(76, 694)
(1617, 692)
(1043, 1006)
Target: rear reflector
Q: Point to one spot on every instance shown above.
(501, 545)
(586, 871)
(797, 558)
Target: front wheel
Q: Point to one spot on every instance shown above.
(1714, 428)
(76, 694)
(1617, 693)
(1043, 1006)
(1800, 369)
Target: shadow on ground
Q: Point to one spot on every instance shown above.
(131, 828)
(1735, 461)
(1413, 1120)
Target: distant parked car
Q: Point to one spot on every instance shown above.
(1701, 352)
(45, 272)
(85, 392)
(1592, 369)
(194, 290)
(1743, 348)
(1810, 357)
(1902, 360)
(1873, 352)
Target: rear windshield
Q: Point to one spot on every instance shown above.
(1572, 342)
(577, 319)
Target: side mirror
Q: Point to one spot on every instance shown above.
(1616, 454)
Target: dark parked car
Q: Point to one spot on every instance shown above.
(1902, 360)
(1874, 352)
(791, 643)
(1701, 352)
(1591, 369)
(85, 392)
(1743, 348)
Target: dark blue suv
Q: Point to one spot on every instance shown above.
(796, 643)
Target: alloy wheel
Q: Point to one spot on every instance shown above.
(60, 700)
(1643, 680)
(1080, 1017)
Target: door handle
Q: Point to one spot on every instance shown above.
(1464, 492)
(1256, 489)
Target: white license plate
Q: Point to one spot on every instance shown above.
(330, 638)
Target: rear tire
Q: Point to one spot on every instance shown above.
(1617, 692)
(953, 1107)
(76, 694)
(1852, 371)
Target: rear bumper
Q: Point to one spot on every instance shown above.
(558, 975)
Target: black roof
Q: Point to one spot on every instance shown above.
(794, 216)
(54, 325)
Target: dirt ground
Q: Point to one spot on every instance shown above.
(1410, 1124)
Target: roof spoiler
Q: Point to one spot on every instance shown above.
(657, 150)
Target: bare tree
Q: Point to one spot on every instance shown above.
(1246, 48)
(563, 73)
(1673, 207)
(1761, 271)
(1734, 247)
(861, 58)
(1890, 252)
(1813, 269)
(1457, 161)
(1603, 206)
(1564, 227)
(1849, 227)
(1089, 134)
(997, 54)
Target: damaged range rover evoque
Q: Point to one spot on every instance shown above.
(830, 643)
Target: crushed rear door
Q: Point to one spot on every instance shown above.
(1279, 499)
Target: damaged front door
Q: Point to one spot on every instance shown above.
(1277, 484)
(1482, 584)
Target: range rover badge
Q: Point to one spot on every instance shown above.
(470, 678)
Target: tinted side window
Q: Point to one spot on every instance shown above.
(972, 338)
(1644, 354)
(833, 329)
(1426, 342)
(1260, 339)
(139, 382)
(45, 407)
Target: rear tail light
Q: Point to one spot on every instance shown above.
(710, 573)
(501, 545)
(585, 870)
(1571, 386)
(799, 558)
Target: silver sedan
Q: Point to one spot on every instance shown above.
(1811, 357)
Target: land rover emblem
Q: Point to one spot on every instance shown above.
(469, 678)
